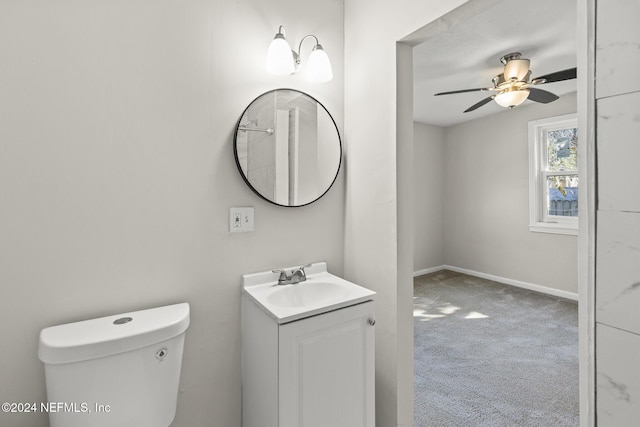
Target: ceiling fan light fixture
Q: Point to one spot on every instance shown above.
(514, 85)
(516, 69)
(511, 98)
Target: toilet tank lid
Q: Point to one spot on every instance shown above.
(109, 335)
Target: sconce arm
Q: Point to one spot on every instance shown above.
(296, 55)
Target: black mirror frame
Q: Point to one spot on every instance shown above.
(235, 148)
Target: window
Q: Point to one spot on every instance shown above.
(553, 175)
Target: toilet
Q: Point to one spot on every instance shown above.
(115, 371)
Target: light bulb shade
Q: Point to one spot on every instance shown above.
(511, 98)
(318, 66)
(280, 57)
(516, 69)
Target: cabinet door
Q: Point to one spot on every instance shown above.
(326, 369)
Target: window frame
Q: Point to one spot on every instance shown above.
(539, 219)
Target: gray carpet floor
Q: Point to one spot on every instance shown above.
(489, 354)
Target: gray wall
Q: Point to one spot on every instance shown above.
(486, 202)
(428, 190)
(117, 174)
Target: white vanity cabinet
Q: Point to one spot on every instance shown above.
(315, 371)
(326, 369)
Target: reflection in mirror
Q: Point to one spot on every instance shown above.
(287, 148)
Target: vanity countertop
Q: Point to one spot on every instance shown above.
(320, 293)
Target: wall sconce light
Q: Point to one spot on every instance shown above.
(283, 61)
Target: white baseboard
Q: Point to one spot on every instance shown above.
(428, 270)
(525, 285)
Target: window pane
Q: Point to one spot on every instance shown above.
(562, 150)
(562, 195)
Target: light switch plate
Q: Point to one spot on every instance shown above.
(240, 219)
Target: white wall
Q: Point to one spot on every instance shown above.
(117, 174)
(373, 240)
(487, 201)
(428, 189)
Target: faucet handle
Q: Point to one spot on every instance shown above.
(301, 270)
(302, 267)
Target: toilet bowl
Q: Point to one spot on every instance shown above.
(115, 371)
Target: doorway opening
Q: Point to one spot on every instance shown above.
(471, 188)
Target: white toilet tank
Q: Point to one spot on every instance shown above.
(115, 371)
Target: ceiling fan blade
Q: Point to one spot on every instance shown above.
(539, 95)
(558, 76)
(480, 89)
(479, 104)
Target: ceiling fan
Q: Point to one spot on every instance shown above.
(513, 86)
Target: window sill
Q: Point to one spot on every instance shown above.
(553, 228)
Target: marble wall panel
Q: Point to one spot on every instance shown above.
(617, 377)
(617, 47)
(618, 272)
(618, 136)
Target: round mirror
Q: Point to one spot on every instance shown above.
(287, 147)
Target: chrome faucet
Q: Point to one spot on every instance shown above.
(297, 275)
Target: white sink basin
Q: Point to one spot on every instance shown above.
(321, 292)
(307, 293)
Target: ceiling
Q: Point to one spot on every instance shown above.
(462, 50)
